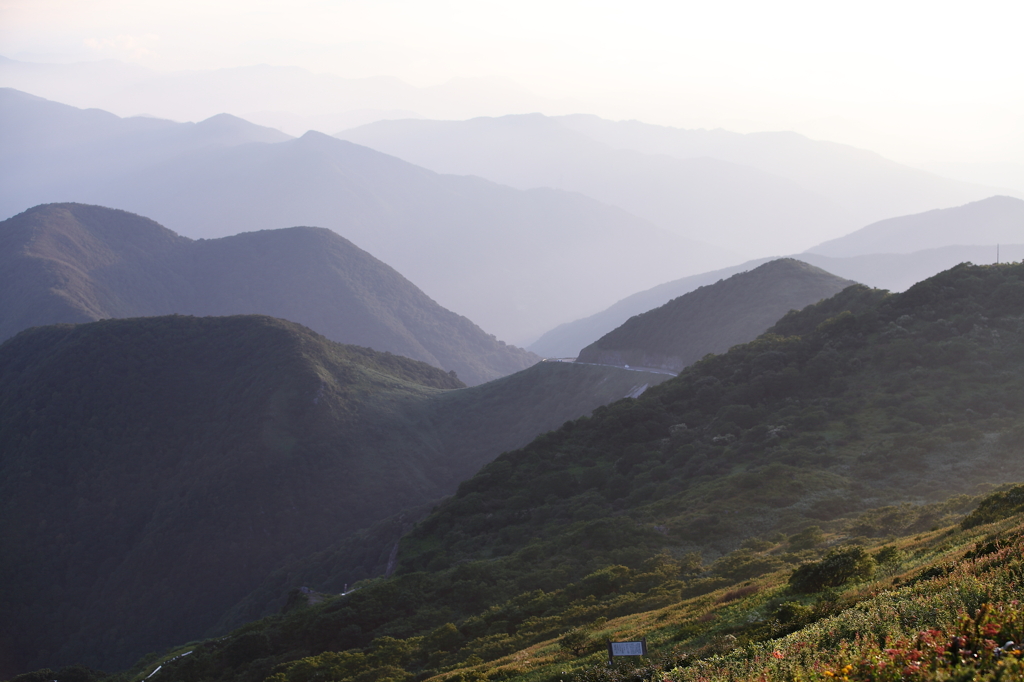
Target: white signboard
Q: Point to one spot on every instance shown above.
(627, 648)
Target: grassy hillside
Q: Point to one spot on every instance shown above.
(154, 471)
(77, 263)
(933, 604)
(935, 600)
(715, 317)
(820, 443)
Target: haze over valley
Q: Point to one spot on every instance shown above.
(756, 194)
(455, 342)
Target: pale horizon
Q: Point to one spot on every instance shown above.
(922, 84)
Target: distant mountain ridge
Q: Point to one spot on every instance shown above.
(995, 220)
(756, 194)
(47, 145)
(715, 199)
(868, 185)
(78, 263)
(515, 262)
(715, 317)
(261, 91)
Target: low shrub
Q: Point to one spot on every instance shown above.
(837, 568)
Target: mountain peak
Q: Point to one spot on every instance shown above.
(714, 318)
(994, 220)
(77, 263)
(228, 124)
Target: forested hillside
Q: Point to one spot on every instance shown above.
(154, 471)
(78, 263)
(829, 430)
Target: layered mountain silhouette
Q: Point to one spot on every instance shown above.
(515, 262)
(267, 94)
(868, 185)
(757, 194)
(991, 221)
(155, 470)
(911, 248)
(566, 340)
(714, 318)
(892, 271)
(79, 263)
(49, 148)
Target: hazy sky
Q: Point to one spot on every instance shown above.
(917, 80)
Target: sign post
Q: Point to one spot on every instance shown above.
(638, 648)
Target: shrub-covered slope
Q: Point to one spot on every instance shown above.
(938, 604)
(714, 318)
(864, 400)
(154, 471)
(77, 263)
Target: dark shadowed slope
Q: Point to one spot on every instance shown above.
(77, 263)
(714, 318)
(515, 262)
(154, 471)
(472, 426)
(995, 220)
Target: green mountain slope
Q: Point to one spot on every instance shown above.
(154, 471)
(714, 318)
(77, 263)
(844, 416)
(827, 413)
